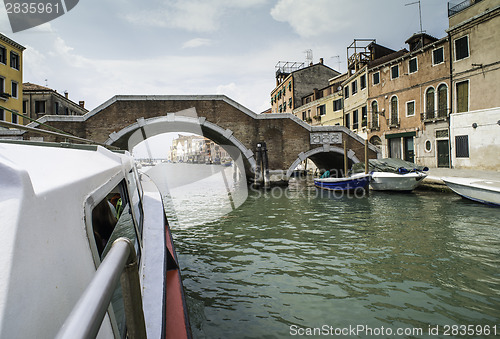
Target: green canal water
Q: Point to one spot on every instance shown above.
(292, 262)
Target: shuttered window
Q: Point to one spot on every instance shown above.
(462, 146)
(462, 96)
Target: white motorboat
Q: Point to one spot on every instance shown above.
(387, 181)
(74, 219)
(480, 190)
(393, 174)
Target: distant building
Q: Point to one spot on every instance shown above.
(296, 80)
(323, 106)
(11, 79)
(39, 101)
(196, 149)
(475, 59)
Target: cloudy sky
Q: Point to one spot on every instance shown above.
(103, 48)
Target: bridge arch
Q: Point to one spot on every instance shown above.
(317, 152)
(132, 135)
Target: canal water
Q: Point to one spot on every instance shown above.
(293, 261)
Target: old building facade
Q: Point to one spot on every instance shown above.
(11, 80)
(39, 101)
(475, 71)
(295, 81)
(409, 102)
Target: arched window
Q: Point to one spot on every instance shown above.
(429, 104)
(442, 101)
(374, 115)
(394, 110)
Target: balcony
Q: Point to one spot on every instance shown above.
(433, 116)
(457, 8)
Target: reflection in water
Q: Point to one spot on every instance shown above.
(296, 257)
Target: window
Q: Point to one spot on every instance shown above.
(374, 115)
(429, 103)
(3, 55)
(321, 110)
(412, 65)
(354, 86)
(462, 146)
(355, 119)
(376, 78)
(462, 48)
(395, 72)
(2, 114)
(304, 115)
(364, 116)
(40, 107)
(290, 102)
(394, 111)
(337, 105)
(14, 118)
(442, 101)
(428, 145)
(347, 121)
(25, 106)
(56, 108)
(14, 89)
(2, 85)
(14, 60)
(362, 81)
(462, 96)
(346, 92)
(410, 108)
(438, 56)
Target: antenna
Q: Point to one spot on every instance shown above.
(309, 56)
(420, 16)
(419, 13)
(338, 62)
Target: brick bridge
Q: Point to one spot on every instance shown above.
(124, 121)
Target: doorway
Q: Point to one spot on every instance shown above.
(443, 153)
(409, 149)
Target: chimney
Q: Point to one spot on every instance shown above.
(66, 94)
(81, 104)
(321, 61)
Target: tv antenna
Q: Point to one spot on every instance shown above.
(338, 62)
(309, 56)
(419, 12)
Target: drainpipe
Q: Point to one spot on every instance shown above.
(451, 97)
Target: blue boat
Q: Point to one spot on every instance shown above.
(357, 181)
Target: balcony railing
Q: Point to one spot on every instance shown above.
(439, 114)
(457, 8)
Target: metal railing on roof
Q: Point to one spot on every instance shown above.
(86, 318)
(457, 8)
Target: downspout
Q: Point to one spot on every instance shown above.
(451, 97)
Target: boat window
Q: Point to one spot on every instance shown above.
(136, 198)
(113, 218)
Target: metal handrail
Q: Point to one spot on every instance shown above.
(86, 318)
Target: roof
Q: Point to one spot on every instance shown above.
(28, 86)
(11, 42)
(387, 58)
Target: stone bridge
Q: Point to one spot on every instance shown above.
(124, 121)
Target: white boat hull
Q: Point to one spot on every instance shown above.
(387, 181)
(483, 191)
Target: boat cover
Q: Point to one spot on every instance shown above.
(388, 165)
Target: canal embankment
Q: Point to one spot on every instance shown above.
(433, 180)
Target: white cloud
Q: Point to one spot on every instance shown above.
(192, 16)
(307, 18)
(197, 42)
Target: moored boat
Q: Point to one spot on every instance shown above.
(355, 182)
(393, 174)
(74, 218)
(387, 181)
(480, 190)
